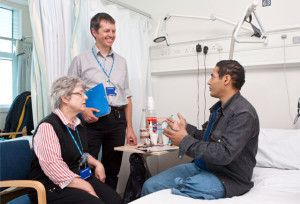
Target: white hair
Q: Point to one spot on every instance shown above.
(64, 86)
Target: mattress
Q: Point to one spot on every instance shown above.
(271, 185)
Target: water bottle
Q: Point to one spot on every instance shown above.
(144, 133)
(151, 117)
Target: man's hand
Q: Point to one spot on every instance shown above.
(131, 138)
(88, 115)
(160, 120)
(176, 134)
(174, 124)
(182, 120)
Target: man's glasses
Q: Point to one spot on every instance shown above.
(79, 93)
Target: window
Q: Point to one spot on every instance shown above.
(9, 32)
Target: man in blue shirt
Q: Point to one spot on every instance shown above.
(223, 151)
(101, 64)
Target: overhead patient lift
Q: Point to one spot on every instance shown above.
(162, 35)
(257, 32)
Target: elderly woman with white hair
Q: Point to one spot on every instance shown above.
(60, 159)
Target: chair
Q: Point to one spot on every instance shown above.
(19, 116)
(15, 161)
(6, 135)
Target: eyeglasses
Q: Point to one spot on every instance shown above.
(79, 93)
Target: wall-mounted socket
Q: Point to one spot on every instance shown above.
(219, 48)
(296, 39)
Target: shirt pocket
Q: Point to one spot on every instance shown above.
(120, 90)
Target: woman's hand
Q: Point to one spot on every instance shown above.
(92, 192)
(100, 172)
(82, 185)
(98, 166)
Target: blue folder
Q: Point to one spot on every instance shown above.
(97, 99)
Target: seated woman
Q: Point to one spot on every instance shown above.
(60, 160)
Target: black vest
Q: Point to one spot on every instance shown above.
(69, 151)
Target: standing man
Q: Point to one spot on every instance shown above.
(223, 151)
(101, 64)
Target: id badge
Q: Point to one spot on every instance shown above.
(111, 91)
(85, 173)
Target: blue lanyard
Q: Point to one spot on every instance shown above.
(75, 140)
(108, 75)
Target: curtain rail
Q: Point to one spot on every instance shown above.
(130, 8)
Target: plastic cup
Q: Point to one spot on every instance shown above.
(165, 139)
(154, 138)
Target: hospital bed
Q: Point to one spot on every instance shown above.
(276, 176)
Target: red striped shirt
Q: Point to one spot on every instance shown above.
(47, 149)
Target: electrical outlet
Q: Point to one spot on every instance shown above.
(296, 39)
(177, 52)
(165, 52)
(193, 49)
(219, 48)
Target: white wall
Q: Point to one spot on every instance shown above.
(279, 14)
(265, 87)
(174, 77)
(26, 31)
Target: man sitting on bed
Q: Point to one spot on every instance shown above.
(223, 151)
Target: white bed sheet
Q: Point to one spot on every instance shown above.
(274, 186)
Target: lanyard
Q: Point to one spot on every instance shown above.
(75, 140)
(108, 75)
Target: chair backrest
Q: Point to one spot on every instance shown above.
(15, 160)
(20, 115)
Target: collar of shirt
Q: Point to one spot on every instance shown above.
(65, 121)
(224, 107)
(97, 51)
(216, 105)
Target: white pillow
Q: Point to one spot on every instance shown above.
(279, 148)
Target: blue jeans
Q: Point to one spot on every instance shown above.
(186, 180)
